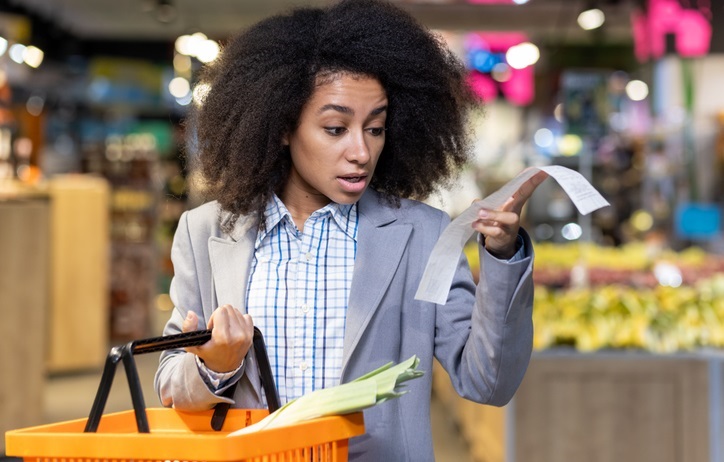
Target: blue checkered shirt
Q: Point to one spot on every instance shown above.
(298, 291)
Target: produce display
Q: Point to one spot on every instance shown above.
(632, 297)
(661, 319)
(637, 265)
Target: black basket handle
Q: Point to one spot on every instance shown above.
(126, 352)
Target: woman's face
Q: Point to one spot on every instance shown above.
(338, 141)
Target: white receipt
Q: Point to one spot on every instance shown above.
(440, 270)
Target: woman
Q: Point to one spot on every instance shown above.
(320, 130)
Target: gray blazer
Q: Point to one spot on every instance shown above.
(483, 338)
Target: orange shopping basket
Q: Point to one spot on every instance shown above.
(168, 435)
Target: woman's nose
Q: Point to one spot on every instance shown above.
(358, 150)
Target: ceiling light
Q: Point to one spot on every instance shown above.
(522, 55)
(183, 45)
(591, 19)
(207, 51)
(182, 64)
(637, 90)
(199, 46)
(33, 56)
(179, 87)
(185, 100)
(3, 46)
(196, 43)
(16, 52)
(544, 138)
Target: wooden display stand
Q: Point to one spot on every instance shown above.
(608, 407)
(54, 254)
(24, 251)
(79, 299)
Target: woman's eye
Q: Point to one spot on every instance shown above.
(376, 131)
(335, 131)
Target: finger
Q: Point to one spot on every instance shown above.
(190, 323)
(520, 197)
(497, 217)
(244, 327)
(500, 228)
(495, 232)
(222, 323)
(526, 189)
(232, 326)
(540, 177)
(248, 326)
(510, 204)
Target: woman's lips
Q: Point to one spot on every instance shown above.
(353, 184)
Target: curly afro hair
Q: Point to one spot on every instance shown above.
(265, 75)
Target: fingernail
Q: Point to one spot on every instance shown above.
(483, 214)
(188, 315)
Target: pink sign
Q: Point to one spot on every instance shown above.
(519, 88)
(691, 30)
(493, 41)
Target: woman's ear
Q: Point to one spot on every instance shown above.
(285, 139)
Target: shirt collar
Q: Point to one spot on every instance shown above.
(345, 215)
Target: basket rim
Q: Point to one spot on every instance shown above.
(186, 436)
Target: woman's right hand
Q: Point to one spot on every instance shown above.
(231, 335)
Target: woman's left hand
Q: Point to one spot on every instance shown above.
(500, 227)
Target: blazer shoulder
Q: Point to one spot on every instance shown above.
(204, 219)
(417, 210)
(207, 220)
(211, 208)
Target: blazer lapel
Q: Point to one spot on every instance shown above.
(230, 263)
(379, 250)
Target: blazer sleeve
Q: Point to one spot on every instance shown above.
(486, 352)
(178, 380)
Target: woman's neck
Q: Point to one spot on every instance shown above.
(302, 205)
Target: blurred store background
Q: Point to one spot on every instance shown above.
(629, 312)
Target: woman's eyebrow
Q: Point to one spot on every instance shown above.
(348, 110)
(336, 107)
(378, 110)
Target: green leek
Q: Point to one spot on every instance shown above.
(382, 384)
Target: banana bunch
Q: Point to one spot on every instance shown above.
(620, 301)
(661, 319)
